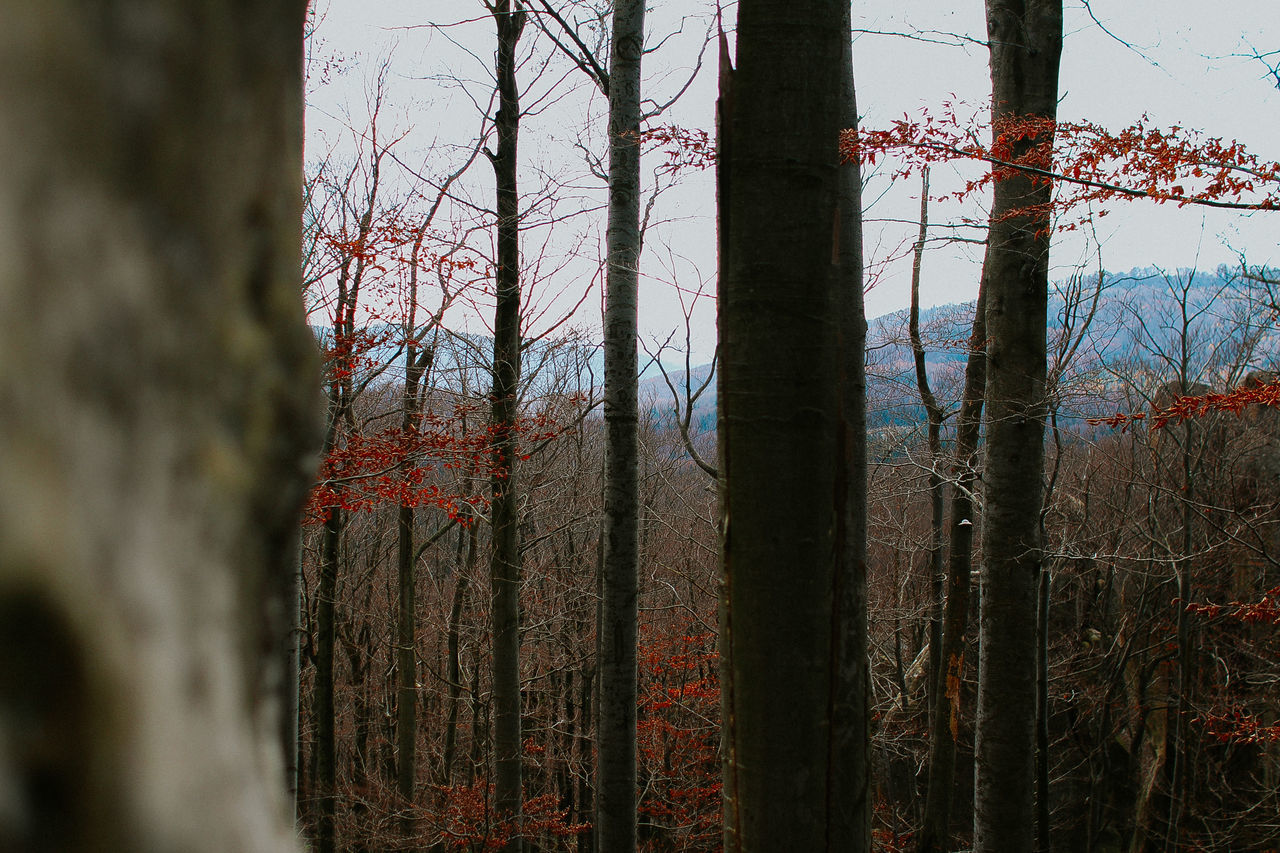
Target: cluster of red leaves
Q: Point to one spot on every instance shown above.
(678, 736)
(1093, 164)
(386, 245)
(469, 821)
(392, 467)
(1199, 405)
(1088, 162)
(684, 148)
(1235, 401)
(1238, 726)
(1265, 611)
(347, 355)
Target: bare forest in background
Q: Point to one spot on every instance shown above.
(1154, 620)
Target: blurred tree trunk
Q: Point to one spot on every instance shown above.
(1025, 38)
(793, 657)
(616, 776)
(159, 392)
(504, 517)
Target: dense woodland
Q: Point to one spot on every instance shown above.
(469, 676)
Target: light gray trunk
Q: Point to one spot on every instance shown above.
(616, 773)
(158, 387)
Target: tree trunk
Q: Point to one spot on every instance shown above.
(790, 652)
(417, 365)
(454, 677)
(504, 512)
(933, 416)
(850, 715)
(1042, 712)
(616, 776)
(1026, 43)
(325, 785)
(944, 725)
(158, 381)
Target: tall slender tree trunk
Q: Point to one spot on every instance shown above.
(794, 724)
(289, 728)
(616, 775)
(1026, 42)
(944, 726)
(454, 673)
(341, 423)
(326, 761)
(933, 417)
(505, 563)
(418, 358)
(1043, 815)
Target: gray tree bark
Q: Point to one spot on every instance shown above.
(504, 511)
(159, 390)
(616, 773)
(1026, 42)
(791, 660)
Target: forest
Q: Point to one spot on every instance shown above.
(1043, 614)
(536, 511)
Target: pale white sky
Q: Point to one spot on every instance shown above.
(1183, 68)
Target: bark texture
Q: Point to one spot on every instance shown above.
(616, 782)
(848, 786)
(418, 359)
(794, 724)
(933, 415)
(1026, 43)
(944, 725)
(159, 392)
(504, 566)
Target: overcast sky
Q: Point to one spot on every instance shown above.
(1176, 61)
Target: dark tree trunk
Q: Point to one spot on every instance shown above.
(849, 713)
(944, 727)
(933, 416)
(454, 672)
(1042, 712)
(1026, 43)
(505, 564)
(293, 653)
(326, 761)
(793, 662)
(616, 777)
(418, 358)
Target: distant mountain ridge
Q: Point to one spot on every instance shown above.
(1134, 332)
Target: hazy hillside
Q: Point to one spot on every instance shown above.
(1132, 341)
